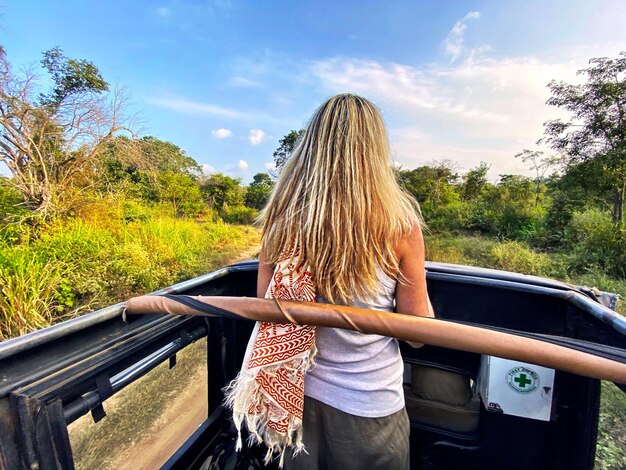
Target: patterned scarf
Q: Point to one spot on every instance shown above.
(268, 393)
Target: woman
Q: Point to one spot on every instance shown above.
(337, 203)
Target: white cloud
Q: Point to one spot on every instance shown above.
(207, 169)
(242, 166)
(163, 12)
(256, 136)
(269, 166)
(185, 106)
(478, 109)
(243, 82)
(221, 133)
(195, 108)
(453, 43)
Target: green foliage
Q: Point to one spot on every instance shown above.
(452, 217)
(514, 208)
(51, 139)
(583, 185)
(479, 251)
(520, 258)
(12, 213)
(165, 156)
(469, 250)
(431, 186)
(258, 192)
(181, 191)
(474, 182)
(112, 250)
(611, 447)
(544, 213)
(153, 171)
(10, 199)
(240, 215)
(596, 130)
(285, 147)
(595, 243)
(134, 211)
(70, 77)
(222, 191)
(509, 209)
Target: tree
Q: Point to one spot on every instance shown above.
(258, 192)
(222, 191)
(474, 182)
(508, 209)
(432, 186)
(181, 191)
(540, 164)
(48, 138)
(144, 168)
(596, 130)
(166, 156)
(285, 147)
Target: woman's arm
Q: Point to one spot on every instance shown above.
(265, 276)
(411, 293)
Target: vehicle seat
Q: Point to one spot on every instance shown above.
(436, 398)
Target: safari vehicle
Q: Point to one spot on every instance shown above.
(84, 394)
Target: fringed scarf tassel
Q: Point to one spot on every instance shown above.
(268, 393)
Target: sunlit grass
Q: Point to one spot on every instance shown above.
(103, 257)
(30, 290)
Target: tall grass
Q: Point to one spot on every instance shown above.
(31, 289)
(104, 256)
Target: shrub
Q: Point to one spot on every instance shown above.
(450, 217)
(102, 211)
(509, 221)
(12, 214)
(440, 251)
(595, 243)
(518, 257)
(11, 201)
(240, 215)
(134, 210)
(475, 251)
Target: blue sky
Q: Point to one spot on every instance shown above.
(225, 80)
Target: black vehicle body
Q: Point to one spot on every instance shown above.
(50, 378)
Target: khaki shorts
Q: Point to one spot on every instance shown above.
(337, 440)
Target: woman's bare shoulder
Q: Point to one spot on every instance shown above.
(410, 242)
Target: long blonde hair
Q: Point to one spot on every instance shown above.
(338, 203)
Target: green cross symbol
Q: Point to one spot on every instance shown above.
(522, 380)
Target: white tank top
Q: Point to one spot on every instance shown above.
(358, 373)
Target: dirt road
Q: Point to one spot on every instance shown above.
(179, 421)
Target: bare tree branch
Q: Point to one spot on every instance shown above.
(48, 138)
